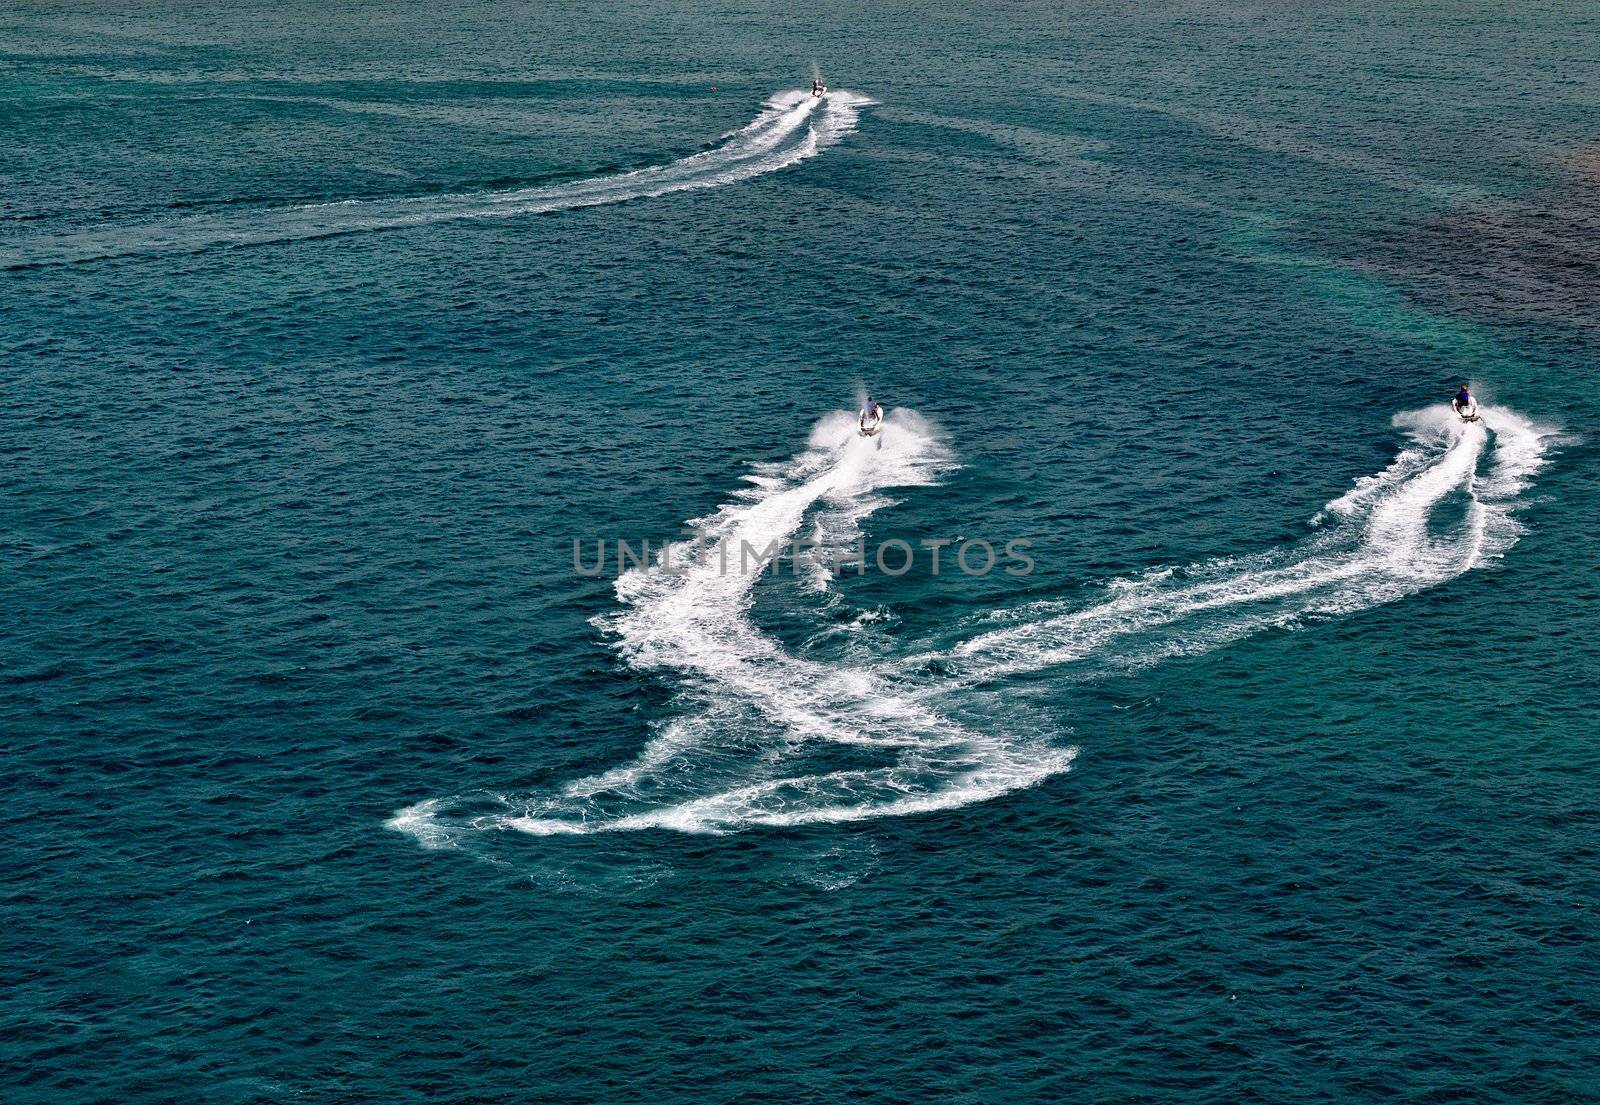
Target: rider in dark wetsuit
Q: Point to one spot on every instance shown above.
(1463, 399)
(817, 87)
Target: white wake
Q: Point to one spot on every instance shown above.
(1378, 542)
(791, 127)
(769, 738)
(766, 737)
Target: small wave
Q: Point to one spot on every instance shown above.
(791, 127)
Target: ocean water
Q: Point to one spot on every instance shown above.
(327, 330)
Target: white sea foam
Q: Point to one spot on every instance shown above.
(696, 622)
(744, 749)
(791, 127)
(422, 823)
(763, 731)
(1377, 543)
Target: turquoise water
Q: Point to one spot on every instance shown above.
(326, 333)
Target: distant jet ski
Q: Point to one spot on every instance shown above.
(1465, 406)
(818, 89)
(871, 420)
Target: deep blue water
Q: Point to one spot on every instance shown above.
(325, 332)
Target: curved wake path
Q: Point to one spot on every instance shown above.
(769, 738)
(1377, 543)
(791, 127)
(772, 739)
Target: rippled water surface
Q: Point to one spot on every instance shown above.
(327, 331)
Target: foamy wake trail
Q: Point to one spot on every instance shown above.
(769, 738)
(1440, 509)
(791, 127)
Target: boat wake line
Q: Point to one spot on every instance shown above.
(791, 127)
(767, 736)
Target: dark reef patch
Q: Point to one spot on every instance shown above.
(1533, 258)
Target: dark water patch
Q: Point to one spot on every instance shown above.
(1533, 258)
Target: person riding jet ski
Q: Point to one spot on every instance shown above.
(1465, 406)
(818, 89)
(871, 417)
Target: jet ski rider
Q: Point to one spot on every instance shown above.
(1463, 399)
(871, 412)
(817, 87)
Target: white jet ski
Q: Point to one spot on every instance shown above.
(870, 424)
(1467, 412)
(818, 89)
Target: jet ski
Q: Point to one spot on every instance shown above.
(1467, 412)
(818, 89)
(870, 423)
